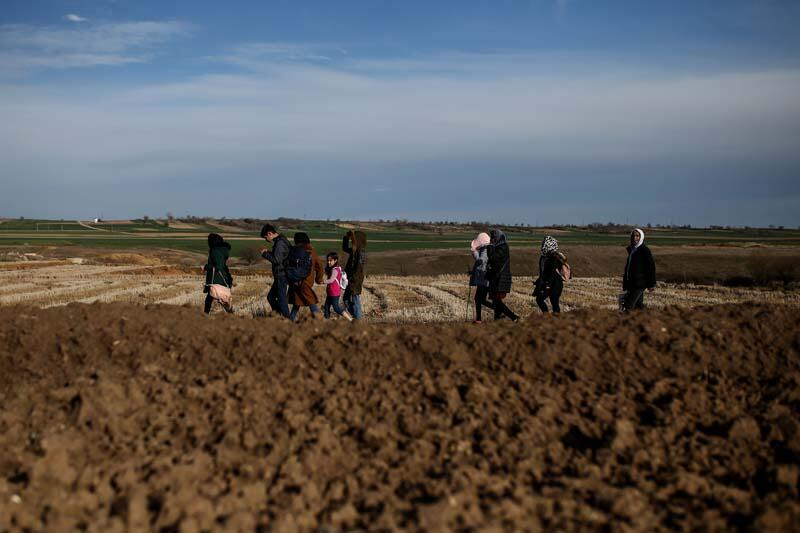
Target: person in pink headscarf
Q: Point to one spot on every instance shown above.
(477, 278)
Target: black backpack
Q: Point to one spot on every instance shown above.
(298, 264)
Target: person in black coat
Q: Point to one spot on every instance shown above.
(216, 269)
(498, 273)
(550, 284)
(640, 272)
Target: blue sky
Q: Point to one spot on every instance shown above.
(539, 111)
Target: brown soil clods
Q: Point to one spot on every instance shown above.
(119, 417)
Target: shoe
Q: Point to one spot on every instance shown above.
(477, 322)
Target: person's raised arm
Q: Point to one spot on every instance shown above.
(346, 244)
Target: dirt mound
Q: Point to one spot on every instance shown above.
(156, 417)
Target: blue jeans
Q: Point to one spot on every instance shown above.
(353, 304)
(278, 297)
(296, 309)
(332, 302)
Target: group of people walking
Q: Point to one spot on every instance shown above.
(491, 274)
(295, 270)
(297, 267)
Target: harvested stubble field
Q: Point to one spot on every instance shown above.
(127, 417)
(385, 299)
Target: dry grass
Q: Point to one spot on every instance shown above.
(385, 299)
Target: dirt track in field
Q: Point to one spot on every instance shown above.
(118, 416)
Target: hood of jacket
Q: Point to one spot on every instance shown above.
(215, 240)
(497, 237)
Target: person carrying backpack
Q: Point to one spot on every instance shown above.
(354, 244)
(499, 274)
(277, 295)
(477, 278)
(553, 270)
(640, 273)
(303, 268)
(218, 278)
(335, 281)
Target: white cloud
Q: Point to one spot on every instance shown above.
(75, 18)
(24, 48)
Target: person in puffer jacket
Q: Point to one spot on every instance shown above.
(477, 279)
(216, 269)
(499, 274)
(640, 272)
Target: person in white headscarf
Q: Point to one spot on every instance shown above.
(640, 272)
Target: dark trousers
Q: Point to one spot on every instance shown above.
(209, 302)
(634, 299)
(555, 297)
(500, 308)
(278, 295)
(332, 302)
(480, 300)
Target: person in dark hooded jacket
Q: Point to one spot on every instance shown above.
(640, 272)
(216, 269)
(498, 273)
(550, 283)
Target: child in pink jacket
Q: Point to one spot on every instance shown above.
(335, 281)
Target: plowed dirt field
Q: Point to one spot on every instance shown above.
(123, 417)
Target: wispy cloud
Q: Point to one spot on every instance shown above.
(24, 48)
(256, 56)
(75, 18)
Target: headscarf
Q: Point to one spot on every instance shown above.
(549, 245)
(641, 238)
(481, 240)
(496, 237)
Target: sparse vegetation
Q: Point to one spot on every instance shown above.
(386, 298)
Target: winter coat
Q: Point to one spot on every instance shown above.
(549, 278)
(278, 255)
(499, 267)
(478, 275)
(640, 269)
(303, 293)
(356, 261)
(216, 267)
